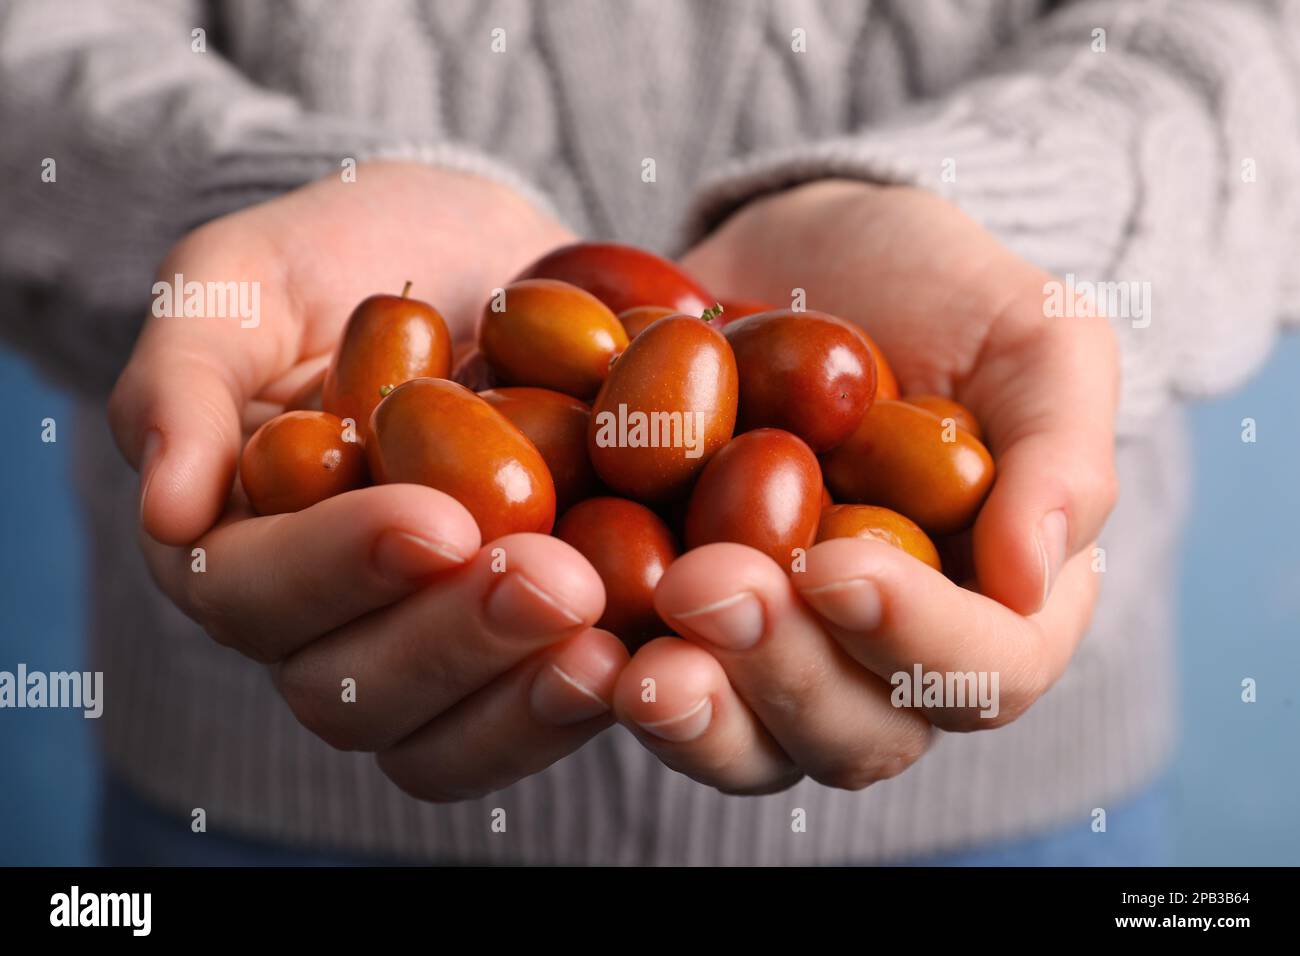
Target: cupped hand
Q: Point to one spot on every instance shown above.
(787, 674)
(389, 626)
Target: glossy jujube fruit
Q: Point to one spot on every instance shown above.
(897, 458)
(947, 408)
(473, 371)
(297, 459)
(886, 380)
(635, 321)
(806, 372)
(881, 524)
(434, 432)
(622, 277)
(630, 548)
(668, 405)
(388, 340)
(550, 334)
(763, 490)
(733, 310)
(557, 424)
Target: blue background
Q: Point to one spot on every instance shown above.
(1236, 785)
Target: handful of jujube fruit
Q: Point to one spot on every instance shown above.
(609, 391)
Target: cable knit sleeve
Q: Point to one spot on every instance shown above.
(1149, 142)
(120, 135)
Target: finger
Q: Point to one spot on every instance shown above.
(675, 698)
(1046, 394)
(175, 411)
(412, 661)
(894, 614)
(299, 388)
(269, 585)
(831, 715)
(521, 723)
(256, 414)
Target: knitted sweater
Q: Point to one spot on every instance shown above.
(1135, 141)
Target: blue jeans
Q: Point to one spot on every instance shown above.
(135, 833)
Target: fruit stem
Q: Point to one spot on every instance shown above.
(713, 312)
(384, 390)
(406, 289)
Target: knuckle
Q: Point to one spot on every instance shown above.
(199, 604)
(226, 631)
(1110, 488)
(315, 705)
(800, 691)
(1100, 485)
(187, 590)
(194, 598)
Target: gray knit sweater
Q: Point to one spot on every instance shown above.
(1171, 156)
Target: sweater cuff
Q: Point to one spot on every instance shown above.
(1065, 194)
(1057, 193)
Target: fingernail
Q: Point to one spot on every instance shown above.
(561, 699)
(735, 622)
(853, 604)
(404, 557)
(1052, 533)
(685, 726)
(517, 604)
(149, 456)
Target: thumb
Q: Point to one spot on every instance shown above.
(176, 412)
(1048, 399)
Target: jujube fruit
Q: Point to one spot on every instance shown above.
(947, 408)
(806, 372)
(668, 405)
(297, 459)
(434, 432)
(880, 524)
(898, 458)
(622, 277)
(550, 334)
(473, 371)
(630, 547)
(733, 310)
(764, 490)
(637, 319)
(886, 380)
(388, 340)
(557, 424)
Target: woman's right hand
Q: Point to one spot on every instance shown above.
(466, 676)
